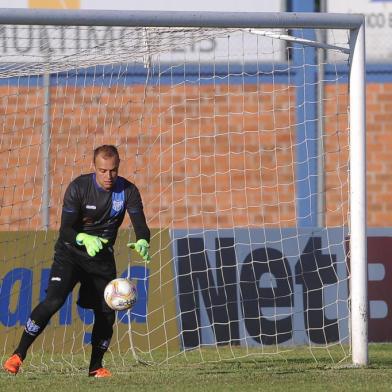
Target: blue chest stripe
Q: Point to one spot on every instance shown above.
(118, 200)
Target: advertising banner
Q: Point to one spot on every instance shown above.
(262, 287)
(44, 43)
(24, 272)
(248, 287)
(284, 286)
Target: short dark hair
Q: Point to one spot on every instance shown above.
(107, 151)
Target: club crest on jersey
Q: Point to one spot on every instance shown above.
(117, 205)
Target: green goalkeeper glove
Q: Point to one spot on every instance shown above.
(141, 247)
(92, 243)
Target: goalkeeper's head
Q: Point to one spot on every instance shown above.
(106, 163)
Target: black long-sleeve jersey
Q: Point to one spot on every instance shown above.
(88, 208)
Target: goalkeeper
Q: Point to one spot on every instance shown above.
(93, 210)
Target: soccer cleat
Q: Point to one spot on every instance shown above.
(13, 363)
(100, 373)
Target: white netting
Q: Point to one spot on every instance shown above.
(207, 122)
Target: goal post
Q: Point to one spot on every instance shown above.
(358, 237)
(204, 110)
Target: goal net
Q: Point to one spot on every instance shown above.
(239, 142)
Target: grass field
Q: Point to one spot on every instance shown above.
(295, 370)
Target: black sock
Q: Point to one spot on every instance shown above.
(25, 342)
(37, 322)
(100, 337)
(97, 354)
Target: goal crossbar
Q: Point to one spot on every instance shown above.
(180, 18)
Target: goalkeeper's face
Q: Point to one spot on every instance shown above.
(106, 171)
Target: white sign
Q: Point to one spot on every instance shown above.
(77, 43)
(378, 16)
(81, 45)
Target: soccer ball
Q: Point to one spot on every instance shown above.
(120, 294)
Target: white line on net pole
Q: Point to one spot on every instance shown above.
(320, 140)
(45, 214)
(358, 245)
(321, 58)
(320, 133)
(45, 152)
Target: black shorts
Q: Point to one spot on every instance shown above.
(94, 274)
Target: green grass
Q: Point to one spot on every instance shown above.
(295, 370)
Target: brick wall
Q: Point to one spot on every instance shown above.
(212, 155)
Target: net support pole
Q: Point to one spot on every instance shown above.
(306, 129)
(358, 245)
(46, 153)
(321, 194)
